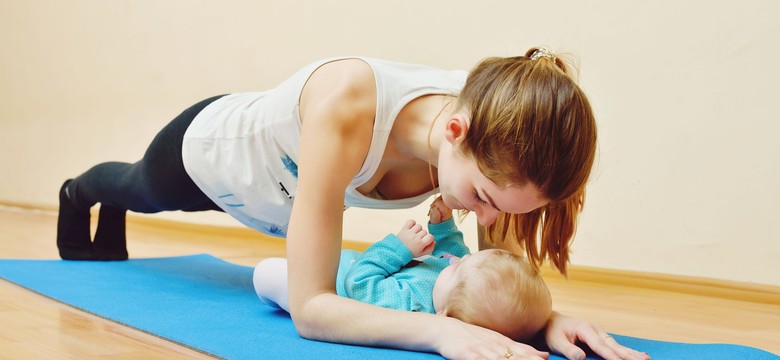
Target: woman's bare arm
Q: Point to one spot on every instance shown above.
(337, 110)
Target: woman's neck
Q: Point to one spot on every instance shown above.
(420, 124)
(405, 170)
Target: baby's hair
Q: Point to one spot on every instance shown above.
(505, 294)
(530, 122)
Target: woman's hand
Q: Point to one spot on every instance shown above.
(465, 341)
(563, 332)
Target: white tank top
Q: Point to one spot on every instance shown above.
(242, 149)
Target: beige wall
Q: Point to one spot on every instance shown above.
(688, 178)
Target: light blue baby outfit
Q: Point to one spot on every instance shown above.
(386, 275)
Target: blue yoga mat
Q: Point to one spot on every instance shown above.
(209, 305)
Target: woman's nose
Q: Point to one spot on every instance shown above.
(487, 215)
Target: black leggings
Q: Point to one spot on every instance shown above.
(156, 183)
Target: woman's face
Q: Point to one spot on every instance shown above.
(463, 186)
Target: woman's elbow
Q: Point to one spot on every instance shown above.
(306, 329)
(305, 325)
(308, 319)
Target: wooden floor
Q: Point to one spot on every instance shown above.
(35, 327)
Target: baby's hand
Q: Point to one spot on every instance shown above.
(416, 239)
(439, 211)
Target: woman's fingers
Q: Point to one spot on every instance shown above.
(466, 341)
(512, 351)
(624, 353)
(525, 351)
(567, 349)
(607, 347)
(563, 332)
(597, 340)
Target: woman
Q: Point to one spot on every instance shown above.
(515, 142)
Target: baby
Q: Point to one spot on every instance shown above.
(433, 272)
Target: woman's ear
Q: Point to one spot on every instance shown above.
(456, 129)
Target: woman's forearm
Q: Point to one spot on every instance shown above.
(328, 317)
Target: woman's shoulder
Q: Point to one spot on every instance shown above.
(354, 75)
(344, 86)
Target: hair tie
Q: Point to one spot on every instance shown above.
(543, 53)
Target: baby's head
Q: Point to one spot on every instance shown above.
(497, 290)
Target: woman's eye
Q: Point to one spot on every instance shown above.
(479, 199)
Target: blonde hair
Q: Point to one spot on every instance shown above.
(505, 294)
(530, 122)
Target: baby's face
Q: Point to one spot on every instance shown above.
(452, 275)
